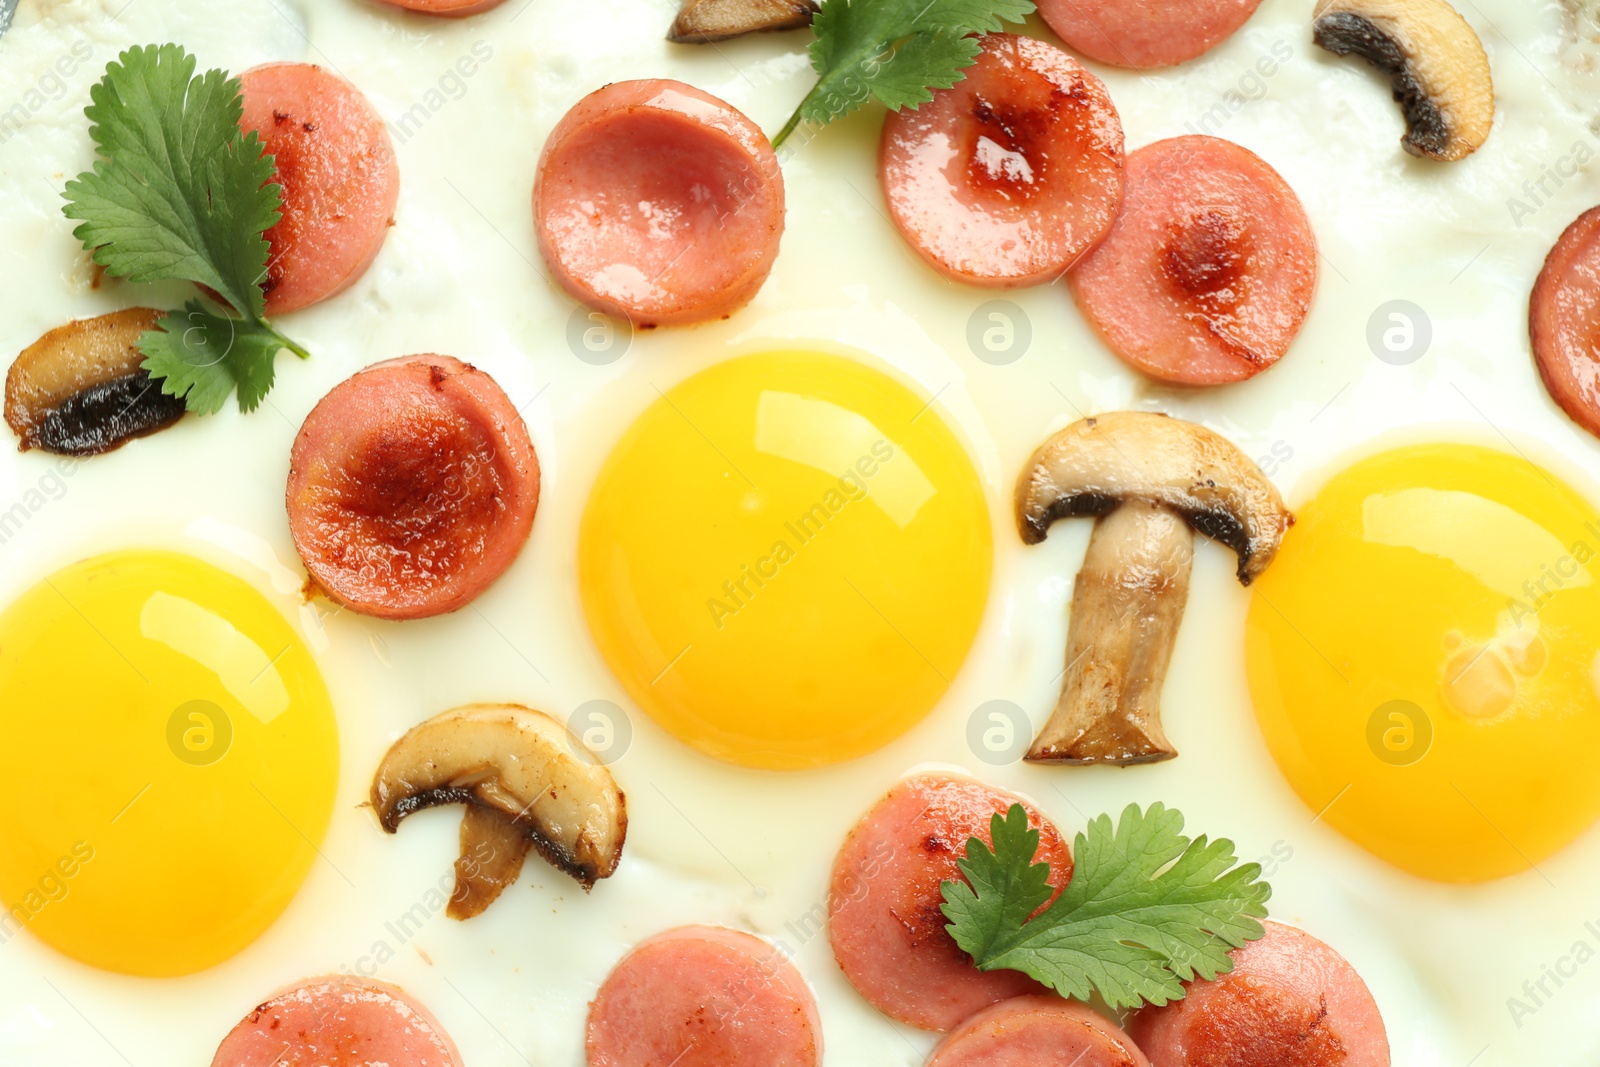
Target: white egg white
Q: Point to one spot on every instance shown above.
(460, 274)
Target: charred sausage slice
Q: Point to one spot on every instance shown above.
(412, 487)
(338, 1021)
(1008, 177)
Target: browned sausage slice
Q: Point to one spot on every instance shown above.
(412, 487)
(1209, 271)
(659, 203)
(340, 180)
(1009, 176)
(1564, 321)
(1145, 33)
(703, 996)
(1290, 1001)
(338, 1021)
(884, 916)
(1030, 1031)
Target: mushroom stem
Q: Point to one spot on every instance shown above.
(493, 847)
(1126, 605)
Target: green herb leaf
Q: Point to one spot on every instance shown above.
(202, 357)
(1146, 910)
(895, 50)
(180, 193)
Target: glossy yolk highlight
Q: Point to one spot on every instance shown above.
(1424, 657)
(786, 559)
(168, 764)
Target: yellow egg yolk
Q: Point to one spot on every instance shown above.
(786, 559)
(1423, 660)
(168, 760)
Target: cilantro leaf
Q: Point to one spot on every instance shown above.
(202, 356)
(179, 192)
(895, 50)
(1146, 910)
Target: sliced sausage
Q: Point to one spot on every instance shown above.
(1142, 34)
(1290, 1001)
(1564, 320)
(340, 180)
(445, 8)
(658, 203)
(338, 1021)
(884, 916)
(412, 486)
(1209, 271)
(1028, 1031)
(1012, 174)
(702, 996)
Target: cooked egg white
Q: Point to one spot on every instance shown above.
(1507, 971)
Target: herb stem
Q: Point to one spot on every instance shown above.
(794, 121)
(284, 341)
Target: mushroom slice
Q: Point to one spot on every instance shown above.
(493, 847)
(524, 765)
(1094, 465)
(1126, 605)
(1150, 479)
(701, 21)
(1440, 71)
(81, 388)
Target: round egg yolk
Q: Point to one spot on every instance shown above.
(786, 558)
(168, 759)
(1424, 658)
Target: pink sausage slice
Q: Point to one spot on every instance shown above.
(445, 8)
(1012, 174)
(1145, 33)
(412, 487)
(1290, 1001)
(1210, 269)
(1030, 1031)
(658, 203)
(884, 915)
(1564, 321)
(703, 996)
(338, 1021)
(339, 177)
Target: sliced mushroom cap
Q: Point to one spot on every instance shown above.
(1095, 464)
(81, 389)
(717, 20)
(1440, 70)
(524, 765)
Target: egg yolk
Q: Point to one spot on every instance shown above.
(786, 558)
(1423, 660)
(168, 759)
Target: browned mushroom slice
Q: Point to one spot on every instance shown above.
(717, 20)
(1439, 69)
(1126, 605)
(493, 847)
(80, 390)
(524, 765)
(1094, 465)
(1151, 478)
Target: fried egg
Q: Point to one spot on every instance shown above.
(1505, 970)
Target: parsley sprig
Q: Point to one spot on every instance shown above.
(1146, 910)
(895, 50)
(179, 192)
